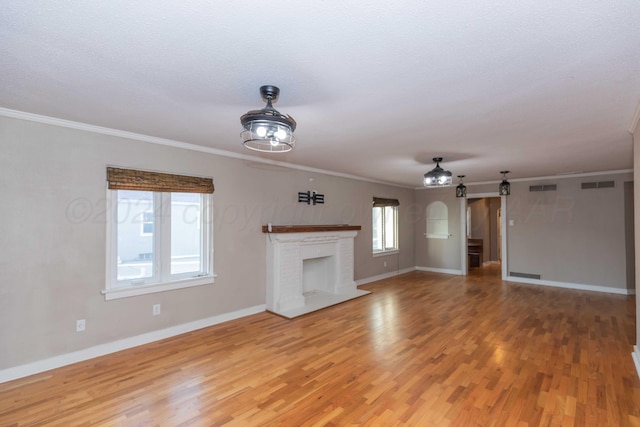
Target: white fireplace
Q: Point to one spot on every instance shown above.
(309, 268)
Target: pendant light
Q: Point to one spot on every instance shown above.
(461, 189)
(504, 188)
(268, 130)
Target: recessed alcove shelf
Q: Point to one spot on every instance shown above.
(309, 267)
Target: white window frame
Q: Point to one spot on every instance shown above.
(396, 247)
(162, 279)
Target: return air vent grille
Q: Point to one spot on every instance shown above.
(599, 184)
(524, 275)
(548, 187)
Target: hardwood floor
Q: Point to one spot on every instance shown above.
(423, 349)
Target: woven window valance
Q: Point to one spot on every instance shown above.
(131, 179)
(380, 202)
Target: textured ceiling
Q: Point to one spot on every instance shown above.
(378, 88)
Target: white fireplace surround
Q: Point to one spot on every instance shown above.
(309, 270)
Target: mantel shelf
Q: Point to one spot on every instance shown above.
(309, 228)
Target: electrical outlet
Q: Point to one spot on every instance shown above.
(156, 309)
(385, 263)
(80, 325)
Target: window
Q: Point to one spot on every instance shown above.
(385, 225)
(159, 232)
(437, 221)
(147, 223)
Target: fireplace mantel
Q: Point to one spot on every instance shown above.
(309, 228)
(309, 267)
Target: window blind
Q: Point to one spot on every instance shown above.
(380, 202)
(131, 179)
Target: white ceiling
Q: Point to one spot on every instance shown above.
(377, 87)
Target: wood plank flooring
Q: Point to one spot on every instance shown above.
(423, 349)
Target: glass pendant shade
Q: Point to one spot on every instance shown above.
(461, 189)
(437, 177)
(504, 189)
(268, 130)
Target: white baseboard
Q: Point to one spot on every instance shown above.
(636, 358)
(384, 276)
(440, 270)
(123, 344)
(577, 286)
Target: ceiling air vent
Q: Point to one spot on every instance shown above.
(600, 184)
(549, 187)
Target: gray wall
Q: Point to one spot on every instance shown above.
(570, 235)
(494, 206)
(629, 234)
(52, 257)
(636, 216)
(479, 214)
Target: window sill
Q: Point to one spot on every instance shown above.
(135, 290)
(437, 236)
(385, 253)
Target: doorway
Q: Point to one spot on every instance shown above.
(484, 233)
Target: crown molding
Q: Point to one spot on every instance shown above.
(194, 147)
(177, 144)
(556, 177)
(542, 178)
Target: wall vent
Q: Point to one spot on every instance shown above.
(600, 184)
(524, 275)
(548, 187)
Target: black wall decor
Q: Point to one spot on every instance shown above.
(310, 196)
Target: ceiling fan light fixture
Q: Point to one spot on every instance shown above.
(267, 130)
(437, 177)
